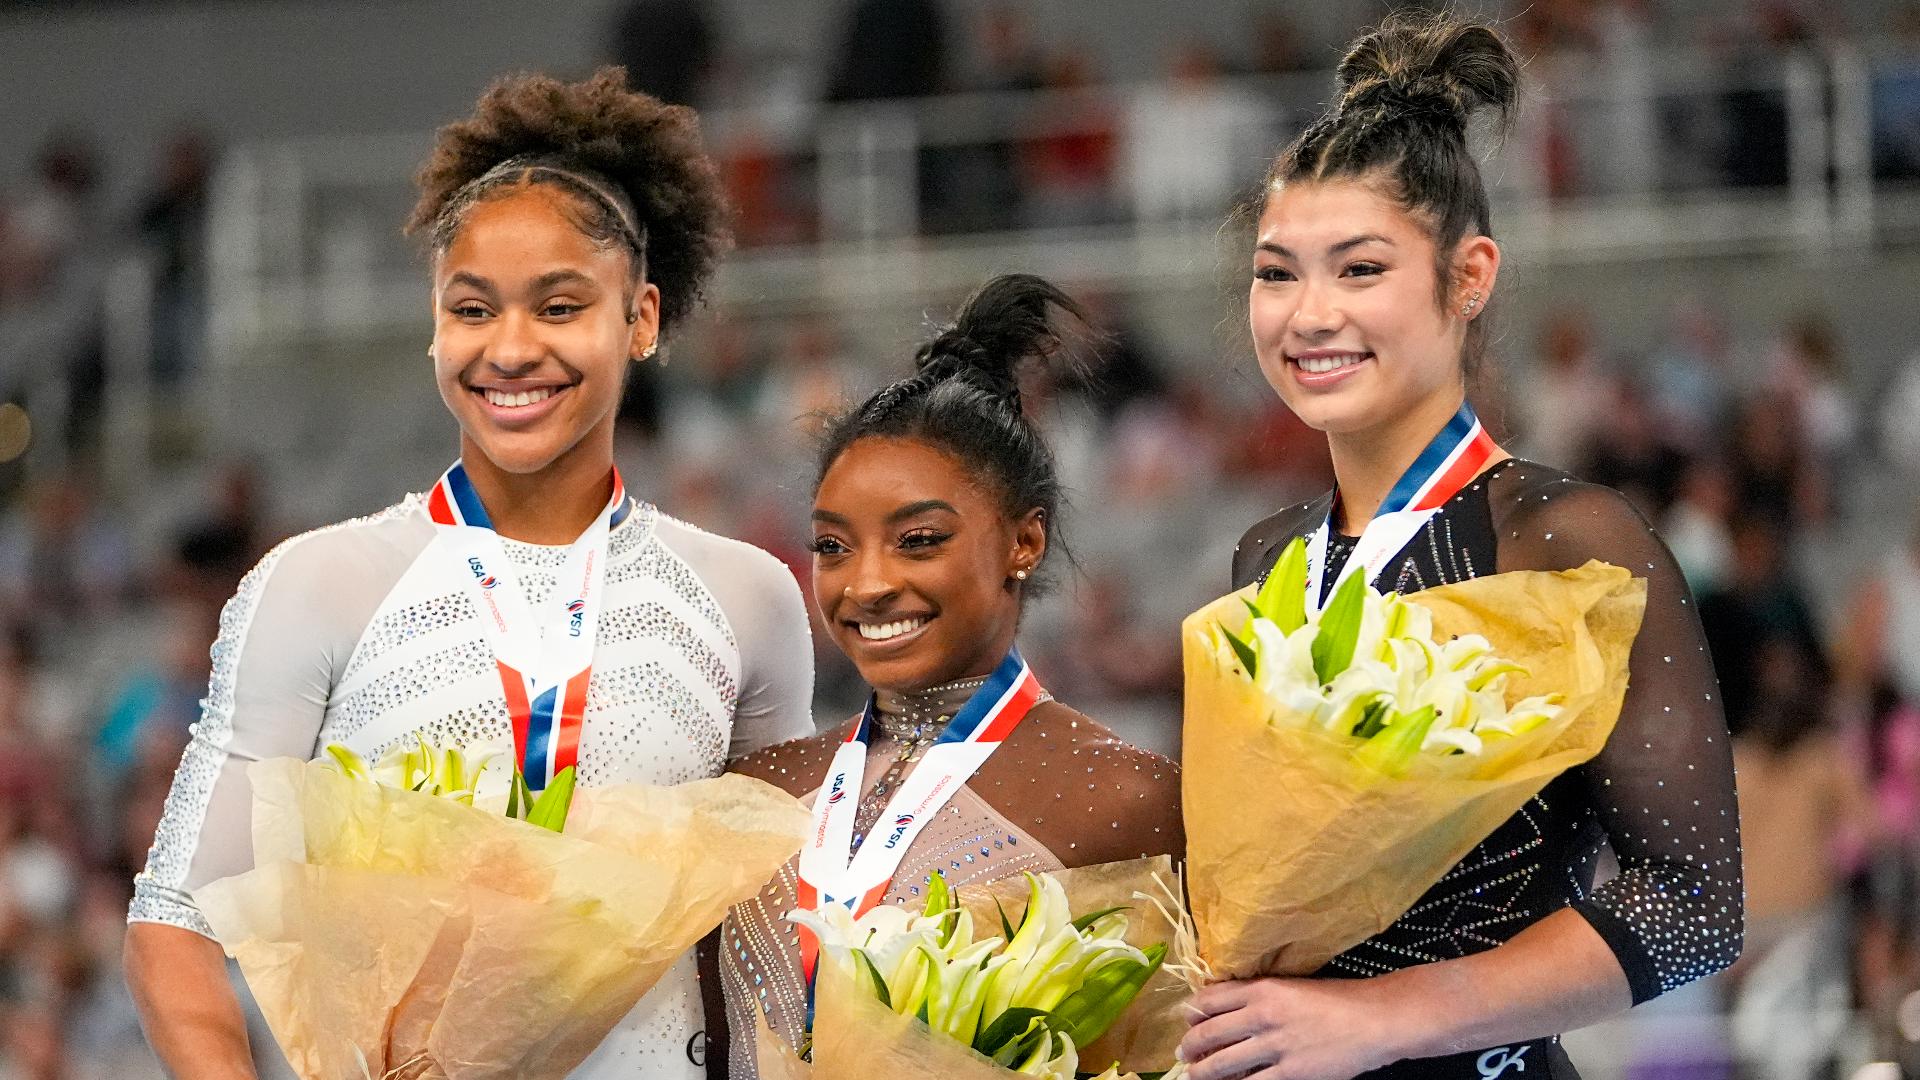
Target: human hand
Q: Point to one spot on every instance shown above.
(1291, 1029)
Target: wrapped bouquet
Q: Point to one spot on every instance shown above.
(1002, 984)
(1386, 735)
(395, 926)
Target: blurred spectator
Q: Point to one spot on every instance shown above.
(1278, 48)
(1774, 477)
(1804, 814)
(50, 214)
(1194, 141)
(1068, 165)
(1695, 528)
(1899, 435)
(172, 224)
(1809, 374)
(1569, 396)
(890, 49)
(1755, 108)
(1690, 375)
(158, 700)
(1120, 369)
(1759, 624)
(974, 184)
(668, 48)
(1896, 103)
(65, 553)
(1630, 452)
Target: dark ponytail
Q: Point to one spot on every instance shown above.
(964, 397)
(1408, 90)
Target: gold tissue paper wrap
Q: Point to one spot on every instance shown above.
(1296, 851)
(389, 933)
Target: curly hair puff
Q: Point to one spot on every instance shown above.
(635, 166)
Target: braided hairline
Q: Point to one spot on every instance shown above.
(525, 168)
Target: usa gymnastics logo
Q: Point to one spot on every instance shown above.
(899, 828)
(839, 789)
(486, 580)
(576, 616)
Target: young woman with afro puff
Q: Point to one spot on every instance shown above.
(572, 227)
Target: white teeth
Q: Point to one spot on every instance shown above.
(1320, 365)
(884, 631)
(507, 400)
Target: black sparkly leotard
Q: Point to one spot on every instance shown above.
(1660, 794)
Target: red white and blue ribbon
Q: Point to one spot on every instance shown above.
(830, 871)
(545, 659)
(1454, 457)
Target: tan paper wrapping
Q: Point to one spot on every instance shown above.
(440, 940)
(1296, 852)
(857, 1038)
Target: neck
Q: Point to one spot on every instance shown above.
(1366, 464)
(552, 506)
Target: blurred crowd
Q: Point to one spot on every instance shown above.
(1761, 453)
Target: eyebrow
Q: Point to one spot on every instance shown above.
(540, 284)
(907, 511)
(1343, 246)
(560, 277)
(921, 507)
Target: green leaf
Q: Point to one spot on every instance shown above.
(1283, 598)
(1026, 1041)
(550, 810)
(1391, 751)
(939, 897)
(1006, 928)
(513, 794)
(1088, 1012)
(879, 983)
(1243, 650)
(1092, 917)
(1373, 721)
(1339, 628)
(1007, 1026)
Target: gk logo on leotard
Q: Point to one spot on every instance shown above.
(1499, 1059)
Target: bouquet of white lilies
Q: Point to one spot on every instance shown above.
(1386, 736)
(931, 993)
(1367, 666)
(396, 926)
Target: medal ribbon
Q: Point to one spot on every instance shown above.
(1454, 457)
(828, 874)
(544, 662)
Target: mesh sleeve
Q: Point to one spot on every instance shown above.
(1663, 786)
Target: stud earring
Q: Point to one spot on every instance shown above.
(646, 354)
(1472, 302)
(1020, 574)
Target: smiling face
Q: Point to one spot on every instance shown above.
(531, 331)
(1348, 319)
(914, 564)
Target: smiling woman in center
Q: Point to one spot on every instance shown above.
(935, 510)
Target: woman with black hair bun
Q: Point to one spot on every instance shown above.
(1373, 268)
(936, 506)
(572, 227)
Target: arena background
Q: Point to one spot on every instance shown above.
(211, 336)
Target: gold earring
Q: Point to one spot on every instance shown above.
(646, 354)
(1472, 302)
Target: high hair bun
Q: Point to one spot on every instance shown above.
(1429, 66)
(1001, 326)
(645, 154)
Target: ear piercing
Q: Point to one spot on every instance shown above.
(1020, 574)
(1472, 303)
(646, 354)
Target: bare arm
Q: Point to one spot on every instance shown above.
(187, 1006)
